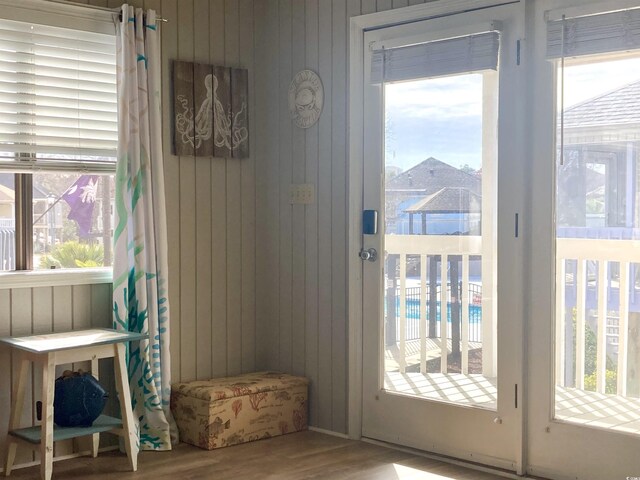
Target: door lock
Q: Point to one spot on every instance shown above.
(370, 254)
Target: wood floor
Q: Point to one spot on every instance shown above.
(305, 455)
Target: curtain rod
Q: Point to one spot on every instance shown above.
(104, 9)
(158, 19)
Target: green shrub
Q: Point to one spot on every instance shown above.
(611, 385)
(74, 254)
(590, 346)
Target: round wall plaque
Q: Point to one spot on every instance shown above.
(306, 97)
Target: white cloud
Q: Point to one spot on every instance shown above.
(588, 80)
(439, 117)
(459, 96)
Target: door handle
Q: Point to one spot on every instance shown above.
(370, 254)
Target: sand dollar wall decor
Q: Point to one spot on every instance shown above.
(210, 108)
(306, 97)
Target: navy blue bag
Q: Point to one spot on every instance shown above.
(79, 399)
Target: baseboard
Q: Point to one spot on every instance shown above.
(84, 453)
(329, 432)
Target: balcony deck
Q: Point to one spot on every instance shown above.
(456, 388)
(572, 405)
(594, 409)
(473, 389)
(412, 352)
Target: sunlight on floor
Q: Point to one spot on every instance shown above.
(408, 473)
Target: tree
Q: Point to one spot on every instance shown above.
(467, 169)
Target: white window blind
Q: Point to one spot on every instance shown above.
(58, 102)
(594, 34)
(443, 57)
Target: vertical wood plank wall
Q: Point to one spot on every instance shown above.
(255, 283)
(301, 278)
(211, 204)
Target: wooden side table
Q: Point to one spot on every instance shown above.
(54, 349)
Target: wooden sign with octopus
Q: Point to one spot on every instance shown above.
(210, 111)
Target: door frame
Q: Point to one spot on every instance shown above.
(358, 27)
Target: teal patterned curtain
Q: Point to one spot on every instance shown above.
(140, 297)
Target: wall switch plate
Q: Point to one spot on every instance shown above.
(302, 194)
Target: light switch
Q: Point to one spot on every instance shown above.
(302, 194)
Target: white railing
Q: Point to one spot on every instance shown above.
(443, 246)
(598, 254)
(602, 253)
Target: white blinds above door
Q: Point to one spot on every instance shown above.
(442, 57)
(58, 102)
(594, 34)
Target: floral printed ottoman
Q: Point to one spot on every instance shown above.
(226, 411)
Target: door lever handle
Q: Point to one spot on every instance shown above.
(370, 254)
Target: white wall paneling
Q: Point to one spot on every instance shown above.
(301, 278)
(211, 204)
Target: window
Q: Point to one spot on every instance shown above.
(58, 141)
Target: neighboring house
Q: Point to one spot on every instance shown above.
(7, 228)
(433, 198)
(597, 187)
(7, 200)
(41, 227)
(6, 205)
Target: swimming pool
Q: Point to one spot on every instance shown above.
(412, 326)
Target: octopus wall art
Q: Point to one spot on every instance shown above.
(210, 111)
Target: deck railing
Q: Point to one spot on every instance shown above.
(446, 248)
(595, 292)
(594, 286)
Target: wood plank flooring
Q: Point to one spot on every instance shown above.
(304, 455)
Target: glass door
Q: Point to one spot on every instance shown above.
(441, 353)
(588, 76)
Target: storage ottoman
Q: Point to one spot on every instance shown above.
(226, 411)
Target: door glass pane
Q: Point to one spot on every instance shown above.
(440, 238)
(72, 220)
(597, 244)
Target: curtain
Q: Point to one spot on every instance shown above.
(140, 288)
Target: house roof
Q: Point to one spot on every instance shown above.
(7, 195)
(618, 107)
(448, 200)
(431, 176)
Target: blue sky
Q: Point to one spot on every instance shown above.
(442, 117)
(439, 118)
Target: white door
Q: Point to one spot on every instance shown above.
(442, 309)
(584, 345)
